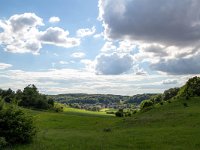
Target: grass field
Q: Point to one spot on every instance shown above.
(171, 126)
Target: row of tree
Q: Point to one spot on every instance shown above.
(29, 97)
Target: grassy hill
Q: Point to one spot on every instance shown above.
(170, 126)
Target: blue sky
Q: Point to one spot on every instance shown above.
(95, 46)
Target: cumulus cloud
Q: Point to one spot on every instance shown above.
(4, 66)
(58, 36)
(174, 22)
(113, 64)
(108, 46)
(86, 32)
(189, 65)
(124, 46)
(167, 33)
(78, 55)
(54, 19)
(22, 22)
(21, 34)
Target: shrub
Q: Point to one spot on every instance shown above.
(161, 103)
(134, 112)
(7, 99)
(128, 114)
(3, 142)
(119, 113)
(16, 126)
(185, 104)
(107, 129)
(145, 104)
(1, 104)
(58, 109)
(170, 93)
(110, 112)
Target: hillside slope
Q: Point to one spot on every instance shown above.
(171, 126)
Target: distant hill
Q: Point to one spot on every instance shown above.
(100, 98)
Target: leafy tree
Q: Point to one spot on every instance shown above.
(146, 104)
(156, 98)
(168, 94)
(30, 97)
(18, 95)
(192, 87)
(51, 101)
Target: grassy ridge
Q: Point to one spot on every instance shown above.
(171, 126)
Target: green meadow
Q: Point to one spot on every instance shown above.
(168, 126)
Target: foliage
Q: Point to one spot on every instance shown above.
(168, 94)
(191, 88)
(185, 104)
(16, 126)
(31, 98)
(146, 104)
(157, 98)
(1, 104)
(137, 99)
(58, 108)
(119, 113)
(3, 142)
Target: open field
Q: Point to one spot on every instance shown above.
(171, 126)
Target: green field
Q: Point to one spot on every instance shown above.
(171, 126)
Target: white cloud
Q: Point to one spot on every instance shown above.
(139, 71)
(59, 37)
(124, 46)
(108, 47)
(82, 81)
(54, 19)
(166, 33)
(4, 66)
(78, 55)
(63, 62)
(23, 22)
(170, 81)
(86, 32)
(20, 34)
(99, 35)
(113, 64)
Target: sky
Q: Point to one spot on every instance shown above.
(122, 47)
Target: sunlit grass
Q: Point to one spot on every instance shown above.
(171, 126)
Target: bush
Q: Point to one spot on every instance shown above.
(145, 104)
(15, 126)
(58, 109)
(119, 113)
(134, 111)
(1, 104)
(110, 112)
(107, 129)
(3, 142)
(185, 104)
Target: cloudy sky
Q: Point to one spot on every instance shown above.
(99, 46)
